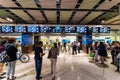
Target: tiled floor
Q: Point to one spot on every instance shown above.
(77, 67)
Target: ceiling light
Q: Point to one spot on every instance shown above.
(102, 21)
(9, 19)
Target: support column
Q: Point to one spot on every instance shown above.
(87, 41)
(27, 42)
(79, 38)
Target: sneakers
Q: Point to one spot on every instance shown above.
(1, 77)
(39, 78)
(96, 60)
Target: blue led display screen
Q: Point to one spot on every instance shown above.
(7, 29)
(104, 29)
(34, 29)
(82, 29)
(19, 28)
(45, 29)
(95, 29)
(68, 29)
(57, 29)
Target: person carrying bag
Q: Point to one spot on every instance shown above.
(53, 53)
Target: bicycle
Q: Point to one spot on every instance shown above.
(24, 58)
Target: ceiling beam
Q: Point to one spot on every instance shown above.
(58, 5)
(22, 21)
(94, 8)
(19, 5)
(98, 18)
(76, 7)
(37, 2)
(61, 9)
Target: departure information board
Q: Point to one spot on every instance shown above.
(45, 29)
(20, 28)
(69, 29)
(34, 29)
(82, 29)
(57, 29)
(95, 29)
(104, 29)
(7, 29)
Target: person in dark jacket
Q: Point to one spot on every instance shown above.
(11, 52)
(102, 52)
(38, 59)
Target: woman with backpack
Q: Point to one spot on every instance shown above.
(12, 53)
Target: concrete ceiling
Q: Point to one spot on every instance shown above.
(60, 11)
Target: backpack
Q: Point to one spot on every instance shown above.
(4, 57)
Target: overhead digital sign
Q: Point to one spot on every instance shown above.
(34, 28)
(45, 29)
(69, 29)
(104, 29)
(20, 28)
(95, 29)
(82, 29)
(7, 29)
(57, 29)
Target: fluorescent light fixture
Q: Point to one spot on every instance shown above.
(9, 19)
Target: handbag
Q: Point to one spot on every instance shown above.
(49, 54)
(118, 56)
(4, 57)
(90, 54)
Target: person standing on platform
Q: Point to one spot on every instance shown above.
(38, 59)
(117, 55)
(102, 51)
(78, 46)
(53, 53)
(12, 53)
(74, 46)
(96, 51)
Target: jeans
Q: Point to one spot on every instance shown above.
(78, 49)
(11, 69)
(96, 55)
(53, 65)
(38, 66)
(117, 63)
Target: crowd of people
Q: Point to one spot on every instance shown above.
(74, 46)
(99, 50)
